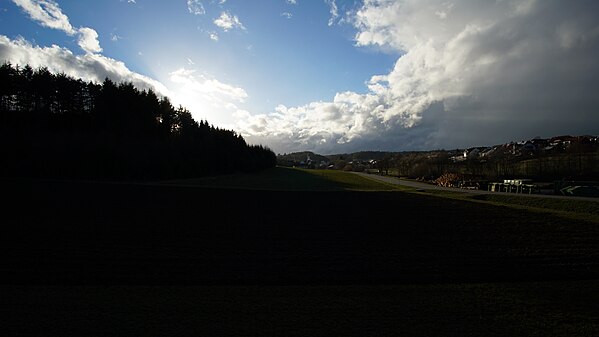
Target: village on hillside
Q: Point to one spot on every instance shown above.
(567, 165)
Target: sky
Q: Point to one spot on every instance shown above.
(335, 76)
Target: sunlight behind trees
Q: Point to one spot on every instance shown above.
(58, 126)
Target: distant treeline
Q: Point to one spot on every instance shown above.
(52, 125)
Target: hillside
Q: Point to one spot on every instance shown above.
(305, 158)
(556, 158)
(361, 156)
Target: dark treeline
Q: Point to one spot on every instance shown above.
(52, 125)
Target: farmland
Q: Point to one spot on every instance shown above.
(288, 252)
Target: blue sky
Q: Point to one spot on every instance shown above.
(331, 75)
(284, 53)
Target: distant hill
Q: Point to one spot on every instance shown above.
(560, 157)
(304, 158)
(361, 156)
(296, 158)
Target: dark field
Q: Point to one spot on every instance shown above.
(83, 259)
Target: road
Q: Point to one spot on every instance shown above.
(424, 186)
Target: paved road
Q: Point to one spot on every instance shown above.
(425, 186)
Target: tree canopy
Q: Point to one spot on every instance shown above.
(53, 125)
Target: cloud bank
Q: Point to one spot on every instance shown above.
(470, 73)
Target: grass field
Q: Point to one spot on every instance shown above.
(569, 208)
(287, 252)
(481, 309)
(572, 205)
(290, 179)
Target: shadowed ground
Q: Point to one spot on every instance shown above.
(185, 259)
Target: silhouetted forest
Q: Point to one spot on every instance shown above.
(52, 125)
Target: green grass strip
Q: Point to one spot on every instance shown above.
(353, 182)
(567, 208)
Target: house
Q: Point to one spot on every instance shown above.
(488, 151)
(471, 153)
(528, 148)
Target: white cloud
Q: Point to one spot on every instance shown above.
(292, 2)
(89, 40)
(287, 15)
(333, 10)
(226, 21)
(195, 7)
(48, 14)
(89, 67)
(197, 92)
(481, 73)
(206, 97)
(214, 36)
(212, 89)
